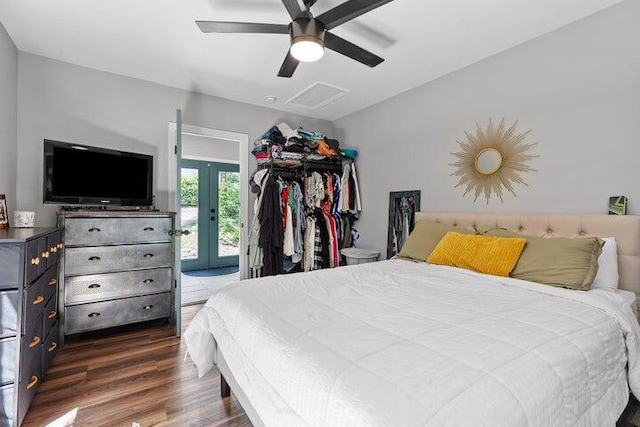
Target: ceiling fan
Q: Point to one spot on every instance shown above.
(309, 34)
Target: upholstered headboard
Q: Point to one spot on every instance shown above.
(625, 228)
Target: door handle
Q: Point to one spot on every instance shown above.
(179, 233)
(213, 218)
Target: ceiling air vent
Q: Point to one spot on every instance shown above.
(317, 96)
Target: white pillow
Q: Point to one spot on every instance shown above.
(607, 276)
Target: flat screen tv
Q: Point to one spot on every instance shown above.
(77, 174)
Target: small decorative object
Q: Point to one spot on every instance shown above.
(617, 205)
(402, 210)
(23, 219)
(4, 213)
(492, 160)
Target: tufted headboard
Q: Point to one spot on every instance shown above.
(625, 228)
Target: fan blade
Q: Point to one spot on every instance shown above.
(293, 7)
(241, 27)
(346, 48)
(288, 66)
(347, 11)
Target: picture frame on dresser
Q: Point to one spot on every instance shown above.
(4, 212)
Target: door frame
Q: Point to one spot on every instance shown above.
(243, 149)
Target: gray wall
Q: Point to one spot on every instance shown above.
(8, 117)
(205, 148)
(577, 88)
(66, 102)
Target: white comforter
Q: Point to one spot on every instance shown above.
(397, 343)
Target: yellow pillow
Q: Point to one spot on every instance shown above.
(483, 254)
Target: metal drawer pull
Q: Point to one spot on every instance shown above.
(60, 245)
(94, 258)
(149, 229)
(147, 307)
(53, 249)
(38, 300)
(146, 281)
(52, 314)
(94, 286)
(45, 254)
(34, 342)
(148, 255)
(94, 314)
(33, 382)
(91, 230)
(35, 261)
(53, 346)
(52, 282)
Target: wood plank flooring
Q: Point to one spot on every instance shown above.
(132, 374)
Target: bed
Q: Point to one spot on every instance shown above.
(404, 343)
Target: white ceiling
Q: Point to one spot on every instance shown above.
(157, 40)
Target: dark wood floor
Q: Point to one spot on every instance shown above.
(135, 374)
(138, 374)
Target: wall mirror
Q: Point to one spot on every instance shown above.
(492, 160)
(488, 161)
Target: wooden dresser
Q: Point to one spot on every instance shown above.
(117, 268)
(28, 315)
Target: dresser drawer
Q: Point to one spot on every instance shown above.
(107, 259)
(8, 312)
(30, 379)
(31, 343)
(49, 349)
(50, 315)
(7, 361)
(35, 301)
(9, 266)
(54, 247)
(114, 231)
(6, 405)
(100, 287)
(51, 280)
(99, 315)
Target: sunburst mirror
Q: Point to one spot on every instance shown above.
(492, 160)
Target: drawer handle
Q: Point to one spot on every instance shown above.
(34, 342)
(33, 382)
(35, 261)
(53, 249)
(94, 314)
(38, 300)
(53, 346)
(147, 307)
(60, 245)
(149, 229)
(45, 254)
(52, 282)
(94, 229)
(94, 258)
(148, 255)
(52, 314)
(147, 281)
(94, 286)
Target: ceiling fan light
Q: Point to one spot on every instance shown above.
(307, 49)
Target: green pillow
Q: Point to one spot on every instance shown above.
(424, 238)
(556, 261)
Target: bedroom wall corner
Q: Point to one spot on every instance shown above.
(577, 88)
(8, 117)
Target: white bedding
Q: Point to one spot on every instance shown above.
(412, 344)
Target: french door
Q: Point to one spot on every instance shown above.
(210, 210)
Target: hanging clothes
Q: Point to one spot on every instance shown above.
(255, 251)
(271, 231)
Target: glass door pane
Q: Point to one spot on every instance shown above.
(189, 213)
(228, 213)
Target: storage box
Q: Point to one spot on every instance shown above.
(359, 256)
